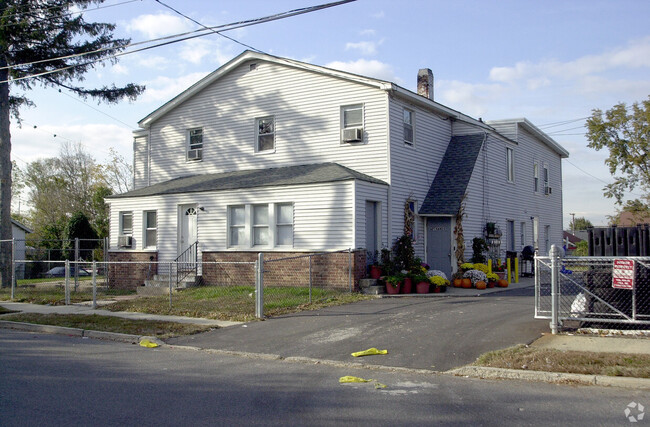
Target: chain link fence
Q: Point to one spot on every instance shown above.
(217, 289)
(612, 291)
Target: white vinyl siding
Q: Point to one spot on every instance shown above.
(306, 107)
(323, 217)
(366, 191)
(140, 161)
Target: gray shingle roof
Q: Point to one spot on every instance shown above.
(272, 177)
(448, 187)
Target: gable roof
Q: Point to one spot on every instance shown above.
(249, 55)
(21, 226)
(450, 184)
(273, 177)
(537, 132)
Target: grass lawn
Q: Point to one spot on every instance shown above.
(110, 324)
(236, 303)
(577, 362)
(56, 295)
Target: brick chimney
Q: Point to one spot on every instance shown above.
(425, 83)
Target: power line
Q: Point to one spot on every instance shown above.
(564, 122)
(172, 39)
(207, 28)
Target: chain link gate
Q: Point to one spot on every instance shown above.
(584, 289)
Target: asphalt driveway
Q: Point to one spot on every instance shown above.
(431, 333)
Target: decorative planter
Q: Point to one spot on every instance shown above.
(407, 286)
(375, 272)
(422, 288)
(390, 289)
(443, 289)
(501, 274)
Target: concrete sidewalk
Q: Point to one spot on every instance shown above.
(84, 308)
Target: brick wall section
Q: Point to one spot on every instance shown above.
(130, 276)
(327, 270)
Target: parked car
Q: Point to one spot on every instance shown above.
(60, 272)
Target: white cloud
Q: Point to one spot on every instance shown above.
(367, 32)
(195, 50)
(161, 24)
(365, 67)
(157, 62)
(364, 47)
(119, 69)
(378, 15)
(164, 88)
(473, 99)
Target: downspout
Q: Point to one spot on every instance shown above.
(389, 194)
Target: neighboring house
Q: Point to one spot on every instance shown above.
(272, 155)
(19, 232)
(630, 219)
(571, 242)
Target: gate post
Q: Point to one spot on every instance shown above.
(555, 286)
(259, 286)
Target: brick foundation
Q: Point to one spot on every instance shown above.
(327, 270)
(130, 276)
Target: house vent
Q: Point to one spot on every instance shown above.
(125, 241)
(194, 155)
(352, 134)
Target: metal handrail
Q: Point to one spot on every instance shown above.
(186, 262)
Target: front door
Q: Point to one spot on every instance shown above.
(187, 234)
(439, 244)
(371, 230)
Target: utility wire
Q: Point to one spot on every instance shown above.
(173, 39)
(207, 28)
(96, 109)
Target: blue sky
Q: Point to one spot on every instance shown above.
(550, 61)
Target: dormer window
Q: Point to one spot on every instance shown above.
(195, 144)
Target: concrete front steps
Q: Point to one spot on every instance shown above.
(371, 287)
(159, 285)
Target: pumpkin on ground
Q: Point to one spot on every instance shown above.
(458, 283)
(502, 283)
(481, 285)
(467, 283)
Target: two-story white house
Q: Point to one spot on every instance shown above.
(273, 155)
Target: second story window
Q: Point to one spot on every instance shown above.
(547, 189)
(352, 123)
(195, 144)
(265, 134)
(536, 178)
(408, 127)
(510, 164)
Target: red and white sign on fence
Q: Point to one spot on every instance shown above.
(623, 274)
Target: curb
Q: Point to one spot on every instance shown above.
(550, 377)
(75, 332)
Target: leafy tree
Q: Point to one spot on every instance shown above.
(78, 227)
(639, 210)
(580, 223)
(582, 248)
(118, 173)
(625, 132)
(47, 43)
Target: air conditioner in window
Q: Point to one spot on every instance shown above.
(124, 241)
(194, 154)
(548, 190)
(353, 135)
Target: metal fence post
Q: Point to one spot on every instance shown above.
(13, 267)
(67, 282)
(170, 285)
(350, 269)
(94, 284)
(555, 284)
(310, 279)
(259, 286)
(76, 259)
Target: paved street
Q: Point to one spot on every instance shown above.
(427, 333)
(60, 380)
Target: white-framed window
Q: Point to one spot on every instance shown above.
(352, 123)
(546, 186)
(237, 225)
(150, 221)
(261, 235)
(284, 224)
(265, 134)
(126, 223)
(195, 144)
(536, 178)
(510, 164)
(260, 225)
(408, 125)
